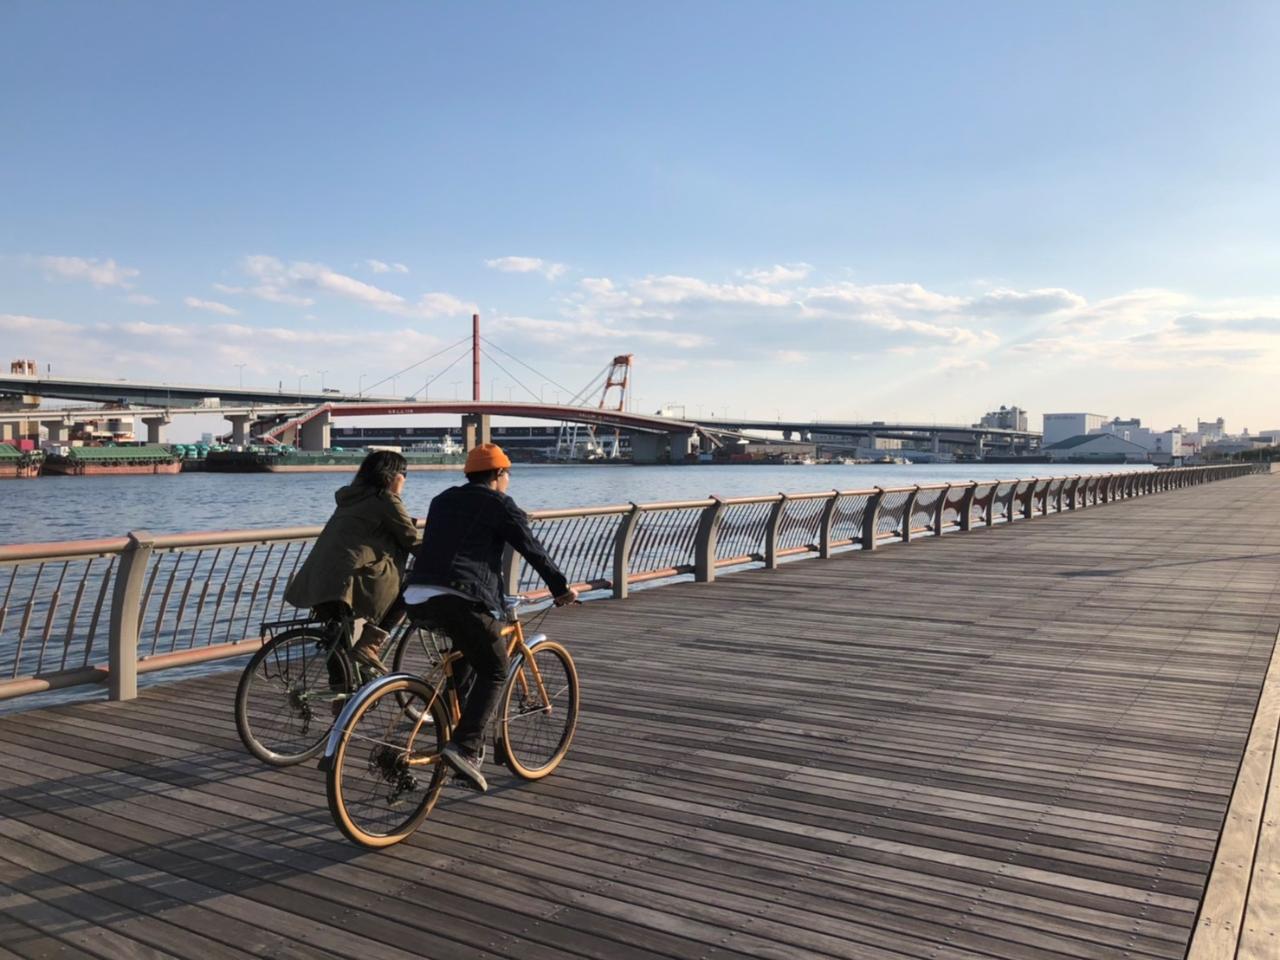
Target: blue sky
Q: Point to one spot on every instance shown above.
(879, 210)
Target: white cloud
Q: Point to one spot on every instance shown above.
(17, 322)
(277, 281)
(380, 266)
(571, 331)
(236, 331)
(268, 293)
(790, 356)
(213, 306)
(671, 289)
(528, 265)
(101, 273)
(1049, 300)
(140, 328)
(956, 365)
(142, 300)
(780, 273)
(883, 298)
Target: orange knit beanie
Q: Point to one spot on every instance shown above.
(488, 456)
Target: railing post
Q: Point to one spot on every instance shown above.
(989, 511)
(940, 512)
(1029, 501)
(827, 524)
(510, 571)
(871, 519)
(908, 508)
(622, 551)
(771, 533)
(966, 506)
(126, 617)
(704, 557)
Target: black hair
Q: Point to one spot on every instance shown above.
(380, 469)
(484, 476)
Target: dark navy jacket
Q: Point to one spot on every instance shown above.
(467, 527)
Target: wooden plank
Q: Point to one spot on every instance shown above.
(1260, 929)
(1220, 922)
(1002, 745)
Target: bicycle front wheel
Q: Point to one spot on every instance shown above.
(386, 773)
(539, 711)
(288, 694)
(420, 648)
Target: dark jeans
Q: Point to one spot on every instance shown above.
(475, 635)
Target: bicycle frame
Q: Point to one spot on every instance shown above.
(519, 650)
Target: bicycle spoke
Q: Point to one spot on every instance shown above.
(375, 794)
(286, 698)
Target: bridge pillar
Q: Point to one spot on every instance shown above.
(936, 440)
(314, 434)
(154, 425)
(239, 428)
(475, 430)
(680, 445)
(649, 447)
(57, 430)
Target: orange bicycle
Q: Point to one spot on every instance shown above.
(384, 771)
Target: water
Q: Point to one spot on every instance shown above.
(75, 508)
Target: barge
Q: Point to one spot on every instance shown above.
(268, 460)
(18, 464)
(111, 461)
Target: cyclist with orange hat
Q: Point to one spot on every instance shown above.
(456, 582)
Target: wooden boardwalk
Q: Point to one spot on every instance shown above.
(1017, 743)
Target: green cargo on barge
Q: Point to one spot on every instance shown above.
(267, 460)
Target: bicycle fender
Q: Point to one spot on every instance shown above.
(363, 694)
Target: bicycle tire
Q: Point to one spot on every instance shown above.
(418, 651)
(533, 736)
(285, 695)
(375, 798)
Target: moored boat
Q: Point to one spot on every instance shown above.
(18, 464)
(111, 461)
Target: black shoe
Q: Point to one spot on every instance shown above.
(465, 765)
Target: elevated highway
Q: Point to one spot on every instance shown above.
(163, 394)
(935, 434)
(670, 436)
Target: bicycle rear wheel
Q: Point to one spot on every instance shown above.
(386, 773)
(286, 695)
(534, 730)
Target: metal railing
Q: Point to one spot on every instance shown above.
(91, 611)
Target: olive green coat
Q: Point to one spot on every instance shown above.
(359, 557)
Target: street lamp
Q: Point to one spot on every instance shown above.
(322, 373)
(301, 377)
(360, 390)
(456, 384)
(240, 367)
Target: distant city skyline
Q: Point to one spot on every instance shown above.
(806, 209)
